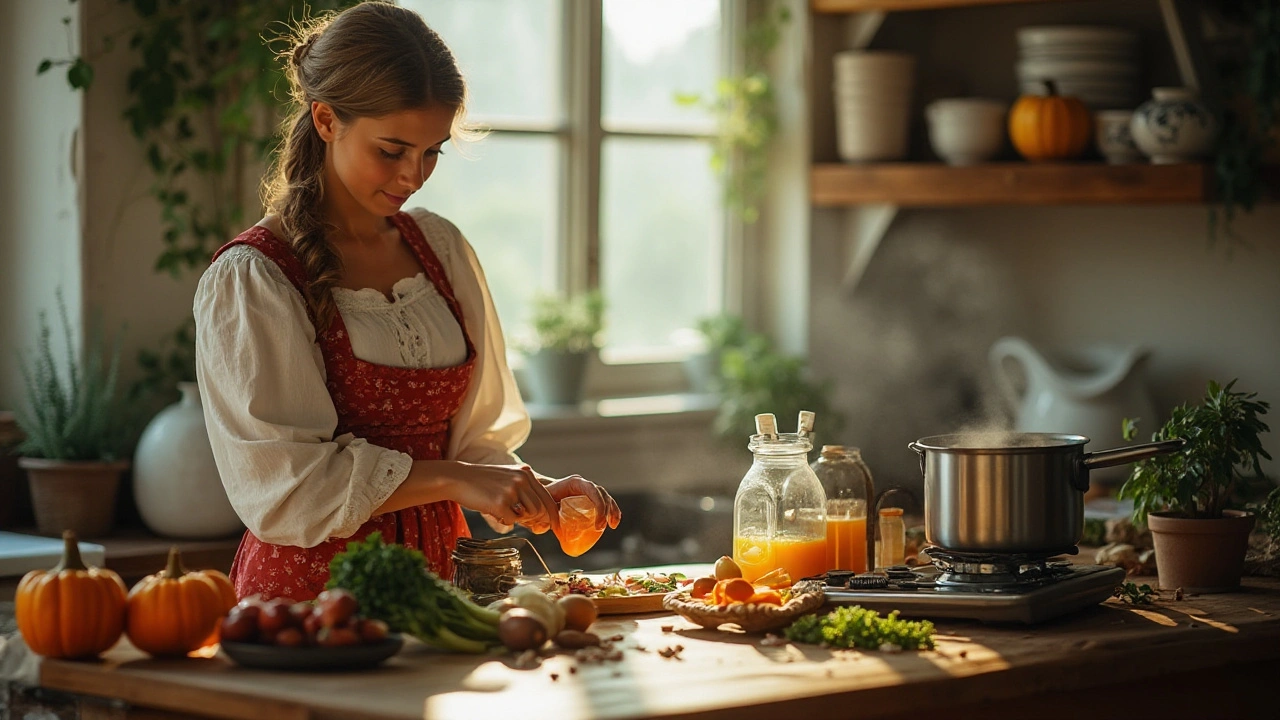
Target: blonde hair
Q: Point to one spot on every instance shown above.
(369, 60)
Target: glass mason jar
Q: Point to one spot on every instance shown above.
(847, 482)
(780, 511)
(486, 571)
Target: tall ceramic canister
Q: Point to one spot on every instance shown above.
(780, 511)
(175, 480)
(1088, 392)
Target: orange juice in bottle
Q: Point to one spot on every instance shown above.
(846, 481)
(779, 513)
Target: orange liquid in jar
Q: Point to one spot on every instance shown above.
(800, 558)
(847, 544)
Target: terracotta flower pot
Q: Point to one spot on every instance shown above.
(79, 496)
(1201, 556)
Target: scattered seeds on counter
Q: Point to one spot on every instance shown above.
(964, 654)
(555, 677)
(573, 669)
(1193, 625)
(668, 628)
(671, 652)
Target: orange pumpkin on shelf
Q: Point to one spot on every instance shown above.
(72, 610)
(175, 612)
(1051, 126)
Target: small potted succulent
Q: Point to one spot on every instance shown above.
(1186, 498)
(76, 438)
(564, 334)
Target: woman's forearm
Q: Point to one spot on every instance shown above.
(428, 481)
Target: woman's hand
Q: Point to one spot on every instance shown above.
(512, 494)
(607, 510)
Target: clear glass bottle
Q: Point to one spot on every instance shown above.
(847, 482)
(779, 513)
(893, 538)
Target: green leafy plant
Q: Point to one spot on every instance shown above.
(392, 584)
(755, 378)
(746, 115)
(723, 331)
(1250, 76)
(203, 97)
(1135, 594)
(858, 627)
(564, 324)
(72, 412)
(1269, 515)
(1200, 481)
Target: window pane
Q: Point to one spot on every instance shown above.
(508, 51)
(661, 238)
(653, 50)
(505, 199)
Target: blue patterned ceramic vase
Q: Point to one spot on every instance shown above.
(1174, 127)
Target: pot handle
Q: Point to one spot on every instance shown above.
(919, 451)
(1121, 456)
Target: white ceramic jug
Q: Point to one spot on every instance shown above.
(175, 481)
(1089, 392)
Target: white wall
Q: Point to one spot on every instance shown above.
(39, 195)
(908, 346)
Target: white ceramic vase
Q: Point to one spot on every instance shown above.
(1174, 127)
(175, 481)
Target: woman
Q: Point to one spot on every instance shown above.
(350, 361)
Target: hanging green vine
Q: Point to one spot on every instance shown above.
(1250, 75)
(746, 115)
(204, 95)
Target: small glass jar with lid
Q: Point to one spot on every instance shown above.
(779, 512)
(847, 482)
(893, 538)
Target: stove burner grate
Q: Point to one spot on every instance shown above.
(996, 570)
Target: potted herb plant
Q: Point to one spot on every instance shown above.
(75, 446)
(564, 335)
(1186, 498)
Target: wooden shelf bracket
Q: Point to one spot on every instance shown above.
(864, 227)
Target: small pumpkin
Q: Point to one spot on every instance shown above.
(175, 612)
(1051, 126)
(72, 610)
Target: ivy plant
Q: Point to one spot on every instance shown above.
(1250, 75)
(1222, 445)
(205, 92)
(746, 116)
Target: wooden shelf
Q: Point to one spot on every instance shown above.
(937, 185)
(853, 6)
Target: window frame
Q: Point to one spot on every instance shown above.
(581, 136)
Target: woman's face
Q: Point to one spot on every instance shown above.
(381, 161)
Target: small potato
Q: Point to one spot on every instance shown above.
(336, 607)
(312, 623)
(275, 616)
(372, 631)
(240, 625)
(579, 611)
(337, 636)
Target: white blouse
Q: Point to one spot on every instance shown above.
(268, 412)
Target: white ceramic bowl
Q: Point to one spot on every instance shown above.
(966, 131)
(1113, 138)
(1115, 70)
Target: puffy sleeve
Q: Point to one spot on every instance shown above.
(492, 422)
(269, 415)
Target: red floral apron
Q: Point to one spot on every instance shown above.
(403, 409)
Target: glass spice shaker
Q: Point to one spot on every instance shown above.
(846, 479)
(893, 538)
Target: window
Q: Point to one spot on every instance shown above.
(592, 174)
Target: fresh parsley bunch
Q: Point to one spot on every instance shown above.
(858, 627)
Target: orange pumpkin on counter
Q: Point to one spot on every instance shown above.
(1050, 127)
(72, 610)
(175, 612)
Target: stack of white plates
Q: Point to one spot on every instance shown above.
(873, 104)
(1099, 65)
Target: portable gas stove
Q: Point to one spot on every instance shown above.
(988, 587)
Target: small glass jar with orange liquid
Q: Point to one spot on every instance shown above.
(846, 480)
(779, 513)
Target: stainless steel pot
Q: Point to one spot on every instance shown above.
(1012, 492)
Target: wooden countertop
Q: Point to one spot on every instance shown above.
(1216, 649)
